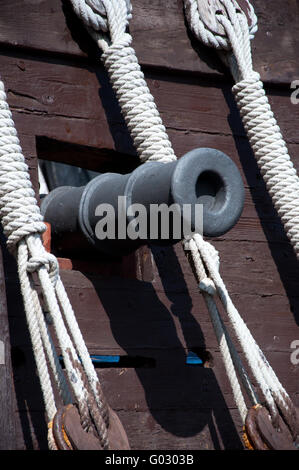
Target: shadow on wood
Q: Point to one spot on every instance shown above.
(172, 387)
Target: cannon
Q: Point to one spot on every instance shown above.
(203, 190)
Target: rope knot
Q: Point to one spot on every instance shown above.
(46, 260)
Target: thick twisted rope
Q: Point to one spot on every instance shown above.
(137, 103)
(202, 32)
(271, 155)
(23, 225)
(264, 134)
(152, 144)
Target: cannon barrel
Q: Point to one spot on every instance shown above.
(203, 177)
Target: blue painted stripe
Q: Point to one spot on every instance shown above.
(96, 359)
(193, 359)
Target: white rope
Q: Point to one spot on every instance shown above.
(43, 187)
(272, 390)
(202, 32)
(138, 106)
(93, 14)
(259, 122)
(23, 225)
(229, 354)
(273, 160)
(152, 144)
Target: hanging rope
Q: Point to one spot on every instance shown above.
(152, 144)
(259, 122)
(138, 106)
(23, 225)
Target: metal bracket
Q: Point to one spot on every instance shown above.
(261, 433)
(208, 10)
(69, 434)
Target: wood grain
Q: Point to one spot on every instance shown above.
(7, 411)
(161, 38)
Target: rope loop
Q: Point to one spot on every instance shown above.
(207, 285)
(200, 249)
(228, 9)
(93, 13)
(18, 230)
(46, 260)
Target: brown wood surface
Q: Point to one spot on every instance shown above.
(150, 312)
(7, 407)
(161, 38)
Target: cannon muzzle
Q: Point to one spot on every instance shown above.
(202, 191)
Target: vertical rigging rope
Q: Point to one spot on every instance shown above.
(23, 225)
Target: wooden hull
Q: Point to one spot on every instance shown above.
(146, 307)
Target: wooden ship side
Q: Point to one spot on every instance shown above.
(146, 307)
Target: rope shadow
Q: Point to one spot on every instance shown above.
(171, 264)
(181, 398)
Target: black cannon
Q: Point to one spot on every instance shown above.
(203, 178)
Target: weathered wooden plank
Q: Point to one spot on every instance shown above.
(126, 315)
(174, 385)
(41, 97)
(171, 430)
(172, 388)
(185, 430)
(41, 89)
(156, 387)
(193, 332)
(251, 260)
(7, 397)
(160, 36)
